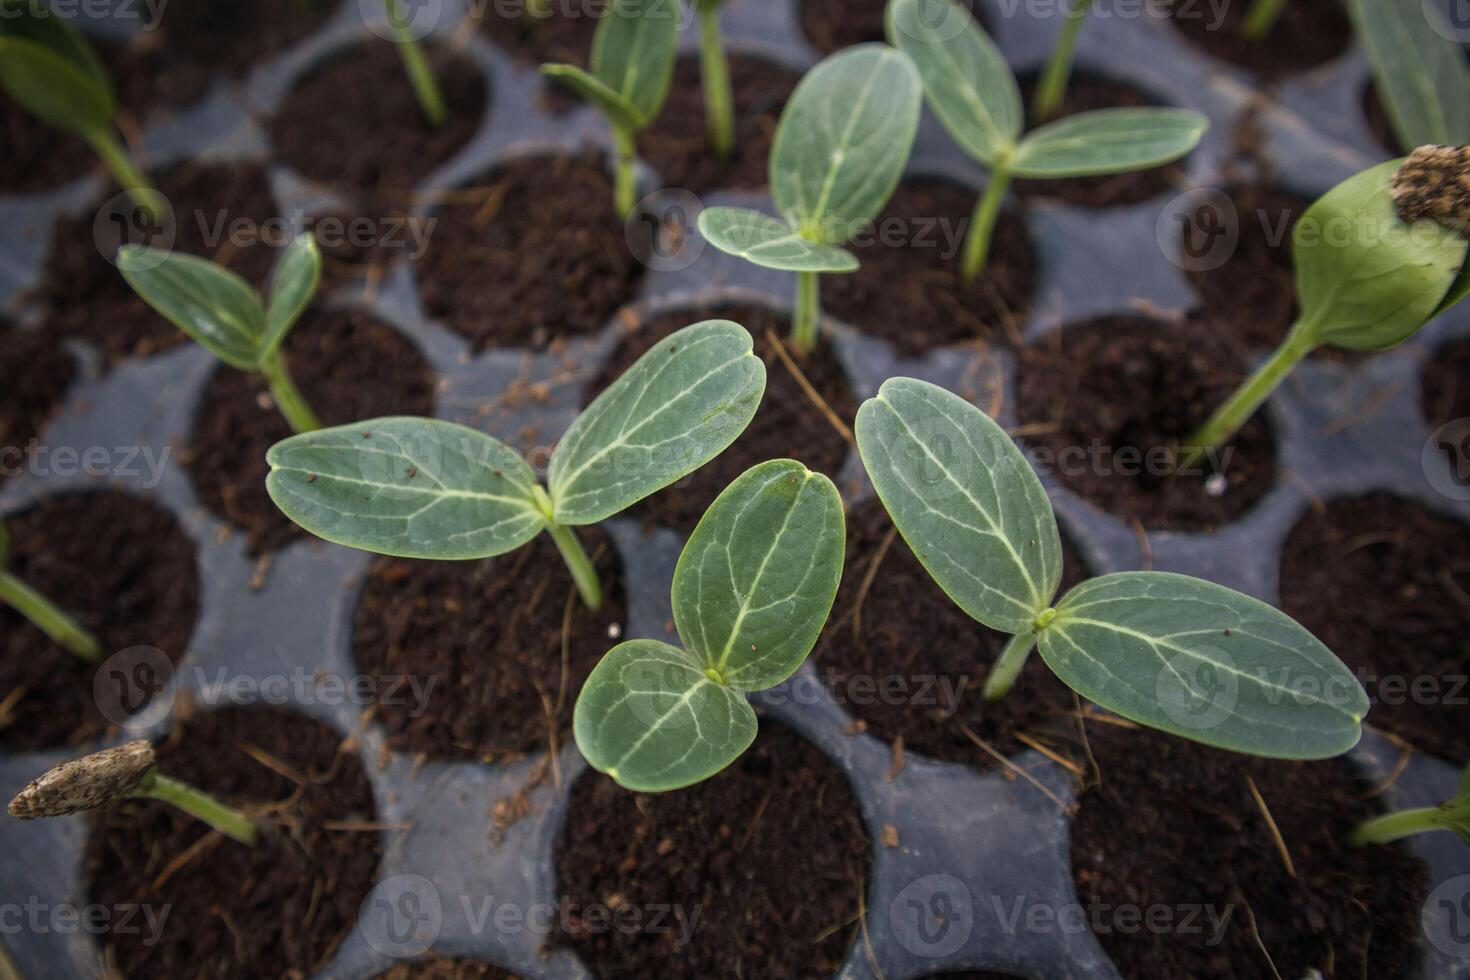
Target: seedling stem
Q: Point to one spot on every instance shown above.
(199, 804)
(416, 63)
(1406, 823)
(50, 620)
(578, 563)
(982, 223)
(1228, 418)
(288, 397)
(1008, 667)
(1052, 87)
(719, 102)
(1261, 18)
(124, 171)
(625, 182)
(808, 312)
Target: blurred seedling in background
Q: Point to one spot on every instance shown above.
(42, 614)
(1453, 814)
(1051, 88)
(719, 97)
(416, 62)
(1419, 72)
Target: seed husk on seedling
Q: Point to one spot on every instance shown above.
(1419, 72)
(1172, 652)
(416, 63)
(127, 772)
(41, 612)
(1051, 88)
(224, 314)
(52, 72)
(1453, 814)
(632, 69)
(422, 488)
(840, 150)
(751, 593)
(971, 89)
(1377, 257)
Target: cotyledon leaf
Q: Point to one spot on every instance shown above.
(407, 487)
(756, 581)
(674, 410)
(1108, 141)
(1204, 662)
(1418, 69)
(217, 309)
(767, 242)
(48, 68)
(965, 499)
(293, 284)
(652, 719)
(633, 52)
(622, 112)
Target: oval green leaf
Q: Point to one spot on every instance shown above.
(1108, 141)
(1206, 663)
(765, 241)
(966, 79)
(844, 140)
(676, 409)
(619, 110)
(650, 718)
(217, 309)
(757, 579)
(293, 284)
(51, 70)
(965, 499)
(407, 487)
(633, 53)
(1419, 72)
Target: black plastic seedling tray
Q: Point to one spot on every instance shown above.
(968, 840)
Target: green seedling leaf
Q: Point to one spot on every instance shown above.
(769, 243)
(965, 77)
(1204, 662)
(679, 407)
(1419, 72)
(51, 71)
(965, 500)
(1108, 141)
(407, 487)
(632, 61)
(752, 591)
(590, 87)
(293, 284)
(843, 141)
(217, 309)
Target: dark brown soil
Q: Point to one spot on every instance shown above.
(564, 37)
(788, 423)
(349, 366)
(279, 908)
(677, 146)
(88, 298)
(1383, 582)
(1086, 93)
(445, 969)
(37, 156)
(123, 569)
(537, 254)
(1174, 826)
(1446, 394)
(1103, 401)
(506, 644)
(832, 25)
(909, 290)
(1307, 34)
(37, 372)
(906, 662)
(770, 855)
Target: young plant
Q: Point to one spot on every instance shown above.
(223, 313)
(416, 63)
(41, 613)
(1453, 814)
(52, 72)
(1419, 72)
(632, 68)
(1051, 89)
(1261, 18)
(840, 150)
(1168, 651)
(971, 89)
(127, 772)
(421, 488)
(1377, 257)
(752, 591)
(719, 98)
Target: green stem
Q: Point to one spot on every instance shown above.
(115, 157)
(1395, 826)
(808, 312)
(982, 222)
(1003, 675)
(288, 397)
(719, 102)
(577, 561)
(48, 619)
(416, 63)
(1229, 417)
(1052, 88)
(200, 804)
(538, 9)
(625, 181)
(1261, 18)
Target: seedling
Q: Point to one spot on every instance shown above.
(416, 63)
(1453, 814)
(719, 98)
(52, 72)
(1051, 90)
(1261, 18)
(42, 614)
(752, 591)
(225, 315)
(1419, 72)
(1377, 257)
(127, 772)
(839, 152)
(632, 68)
(421, 488)
(971, 89)
(1172, 652)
